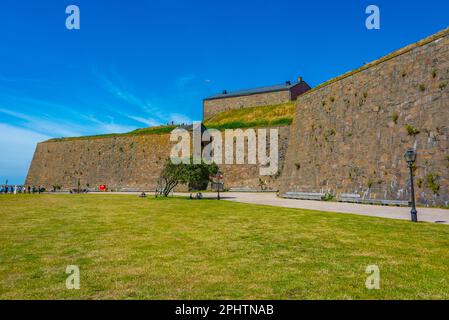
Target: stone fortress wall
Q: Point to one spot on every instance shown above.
(130, 162)
(348, 136)
(247, 176)
(122, 163)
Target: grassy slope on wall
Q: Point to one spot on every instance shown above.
(265, 116)
(150, 130)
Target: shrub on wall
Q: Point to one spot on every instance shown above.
(419, 182)
(434, 73)
(411, 130)
(433, 183)
(328, 197)
(422, 87)
(395, 117)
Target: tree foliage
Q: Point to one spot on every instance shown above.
(191, 174)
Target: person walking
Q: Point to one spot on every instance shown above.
(15, 189)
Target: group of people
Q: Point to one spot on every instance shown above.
(6, 189)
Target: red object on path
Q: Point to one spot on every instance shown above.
(103, 187)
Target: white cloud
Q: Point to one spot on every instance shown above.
(108, 127)
(118, 91)
(17, 147)
(44, 124)
(11, 79)
(117, 87)
(59, 128)
(147, 121)
(183, 81)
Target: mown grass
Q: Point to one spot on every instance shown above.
(265, 116)
(132, 248)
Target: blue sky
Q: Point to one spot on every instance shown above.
(139, 63)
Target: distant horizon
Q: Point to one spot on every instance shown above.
(147, 64)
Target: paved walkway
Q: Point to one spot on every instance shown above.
(403, 213)
(424, 214)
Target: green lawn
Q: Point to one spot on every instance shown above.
(127, 247)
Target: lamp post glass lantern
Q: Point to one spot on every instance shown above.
(410, 157)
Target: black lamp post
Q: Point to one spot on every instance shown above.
(217, 181)
(410, 157)
(220, 178)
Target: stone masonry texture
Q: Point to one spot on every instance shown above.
(247, 175)
(126, 162)
(350, 136)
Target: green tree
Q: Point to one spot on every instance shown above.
(192, 174)
(199, 175)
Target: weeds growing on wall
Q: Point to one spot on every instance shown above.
(395, 117)
(411, 130)
(422, 87)
(432, 182)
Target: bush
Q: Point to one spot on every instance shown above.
(422, 87)
(411, 130)
(434, 74)
(328, 196)
(395, 117)
(183, 173)
(433, 183)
